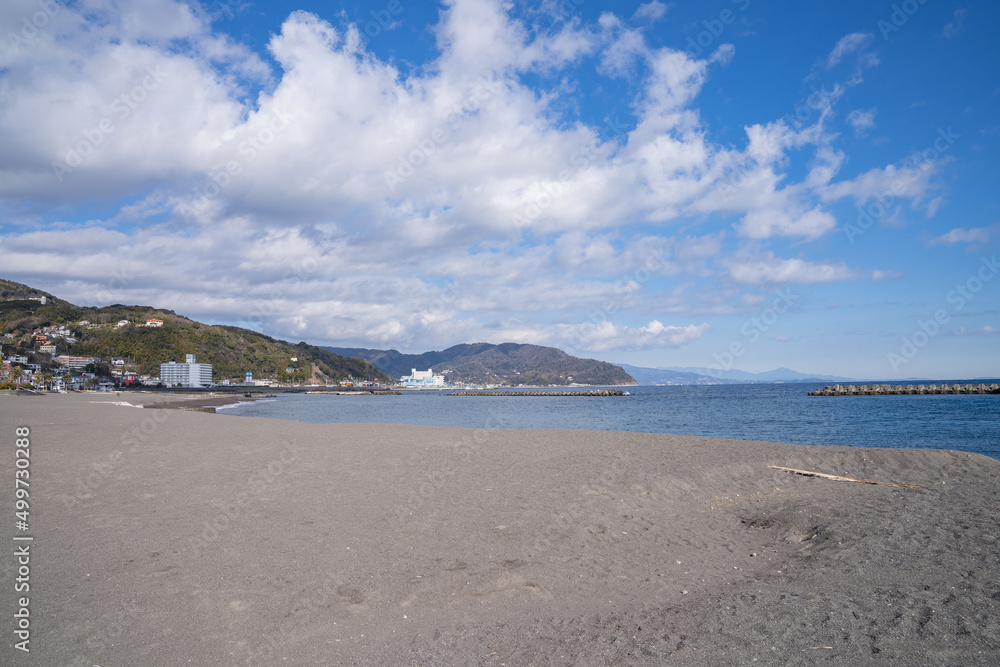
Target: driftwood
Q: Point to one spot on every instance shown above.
(838, 478)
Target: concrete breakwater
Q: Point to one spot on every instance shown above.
(897, 389)
(591, 392)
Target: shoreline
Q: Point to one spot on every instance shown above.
(169, 536)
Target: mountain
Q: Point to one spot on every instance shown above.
(660, 376)
(676, 375)
(777, 375)
(232, 351)
(485, 363)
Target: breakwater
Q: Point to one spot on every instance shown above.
(591, 392)
(908, 389)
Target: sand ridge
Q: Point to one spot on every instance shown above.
(213, 539)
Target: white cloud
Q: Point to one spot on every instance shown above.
(848, 44)
(762, 224)
(606, 336)
(651, 11)
(766, 269)
(956, 25)
(862, 121)
(624, 47)
(339, 194)
(889, 184)
(723, 55)
(853, 45)
(985, 330)
(974, 235)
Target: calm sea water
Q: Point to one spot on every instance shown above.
(774, 412)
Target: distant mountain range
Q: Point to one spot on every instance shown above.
(506, 364)
(675, 375)
(663, 376)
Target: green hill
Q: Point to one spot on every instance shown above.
(232, 351)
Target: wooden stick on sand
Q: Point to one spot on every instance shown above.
(837, 478)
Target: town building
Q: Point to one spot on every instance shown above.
(188, 374)
(422, 379)
(153, 322)
(75, 362)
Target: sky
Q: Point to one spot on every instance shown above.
(734, 184)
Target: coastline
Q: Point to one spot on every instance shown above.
(167, 536)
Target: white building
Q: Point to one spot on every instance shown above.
(188, 374)
(422, 379)
(75, 362)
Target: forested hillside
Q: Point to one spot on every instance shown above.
(232, 351)
(508, 364)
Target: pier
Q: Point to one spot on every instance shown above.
(905, 389)
(591, 392)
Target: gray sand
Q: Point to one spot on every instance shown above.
(170, 537)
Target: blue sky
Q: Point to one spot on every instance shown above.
(728, 184)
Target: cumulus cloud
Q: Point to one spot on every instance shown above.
(328, 192)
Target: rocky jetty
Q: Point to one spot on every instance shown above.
(897, 389)
(590, 392)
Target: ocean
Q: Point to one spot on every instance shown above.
(772, 412)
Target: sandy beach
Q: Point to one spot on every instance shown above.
(175, 537)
